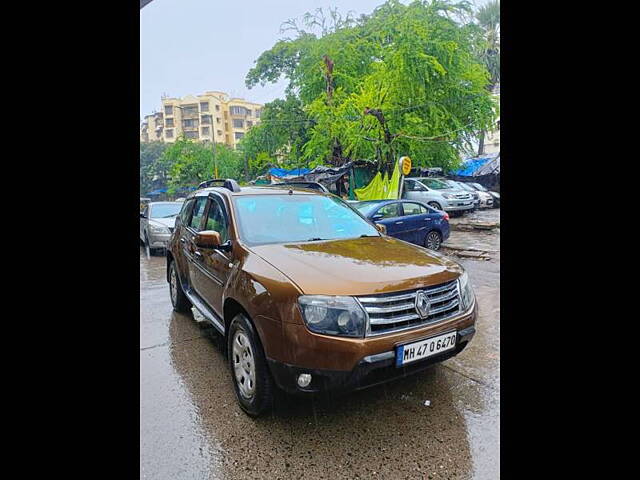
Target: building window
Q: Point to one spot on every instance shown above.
(204, 106)
(168, 109)
(237, 110)
(258, 111)
(190, 123)
(169, 133)
(206, 119)
(239, 135)
(219, 133)
(217, 108)
(191, 109)
(191, 134)
(249, 124)
(170, 122)
(238, 123)
(217, 119)
(205, 131)
(248, 112)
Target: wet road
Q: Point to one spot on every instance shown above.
(191, 427)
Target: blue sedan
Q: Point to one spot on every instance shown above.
(408, 220)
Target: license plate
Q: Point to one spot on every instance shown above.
(412, 352)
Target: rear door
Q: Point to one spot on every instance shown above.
(214, 265)
(418, 222)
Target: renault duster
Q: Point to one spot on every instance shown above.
(309, 295)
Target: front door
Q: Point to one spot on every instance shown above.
(390, 215)
(214, 265)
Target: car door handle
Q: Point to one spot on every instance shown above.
(398, 223)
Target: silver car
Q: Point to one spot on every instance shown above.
(486, 200)
(157, 221)
(437, 194)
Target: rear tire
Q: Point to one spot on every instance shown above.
(433, 240)
(179, 300)
(248, 367)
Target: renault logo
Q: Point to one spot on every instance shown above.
(423, 304)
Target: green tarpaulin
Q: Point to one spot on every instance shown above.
(381, 187)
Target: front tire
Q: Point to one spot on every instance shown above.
(433, 240)
(435, 205)
(248, 366)
(179, 300)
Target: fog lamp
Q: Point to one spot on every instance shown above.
(304, 379)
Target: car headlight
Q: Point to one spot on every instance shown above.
(158, 228)
(342, 316)
(447, 196)
(466, 292)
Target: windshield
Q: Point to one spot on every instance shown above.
(466, 187)
(165, 210)
(480, 187)
(264, 219)
(433, 183)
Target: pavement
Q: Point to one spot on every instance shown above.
(192, 428)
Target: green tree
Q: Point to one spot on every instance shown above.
(153, 172)
(282, 132)
(193, 162)
(404, 80)
(488, 17)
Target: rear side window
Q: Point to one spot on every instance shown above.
(186, 211)
(413, 209)
(389, 211)
(198, 213)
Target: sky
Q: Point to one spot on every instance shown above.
(191, 46)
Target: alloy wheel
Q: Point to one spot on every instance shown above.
(433, 240)
(244, 364)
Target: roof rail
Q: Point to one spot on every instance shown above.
(229, 184)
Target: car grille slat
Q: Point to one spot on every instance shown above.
(391, 312)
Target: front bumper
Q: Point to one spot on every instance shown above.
(159, 240)
(458, 205)
(370, 370)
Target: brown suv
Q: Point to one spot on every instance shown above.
(310, 295)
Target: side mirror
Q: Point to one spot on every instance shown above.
(207, 239)
(381, 228)
(376, 217)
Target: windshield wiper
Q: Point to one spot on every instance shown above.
(169, 216)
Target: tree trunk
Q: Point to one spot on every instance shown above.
(481, 143)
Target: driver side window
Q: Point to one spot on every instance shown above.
(389, 211)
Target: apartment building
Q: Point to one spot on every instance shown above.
(212, 116)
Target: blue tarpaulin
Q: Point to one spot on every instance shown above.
(470, 165)
(158, 192)
(281, 172)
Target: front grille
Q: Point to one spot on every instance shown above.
(462, 196)
(390, 312)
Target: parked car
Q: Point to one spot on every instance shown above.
(408, 220)
(309, 295)
(311, 185)
(486, 200)
(437, 194)
(144, 202)
(482, 188)
(474, 193)
(156, 224)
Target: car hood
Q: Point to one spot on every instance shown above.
(167, 222)
(359, 266)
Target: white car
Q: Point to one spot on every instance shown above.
(437, 194)
(157, 221)
(486, 199)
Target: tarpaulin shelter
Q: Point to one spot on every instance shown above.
(279, 175)
(484, 170)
